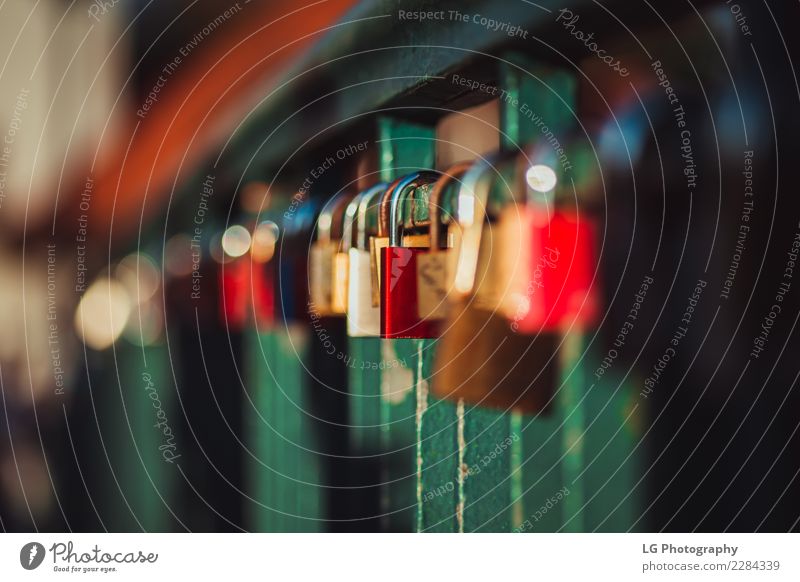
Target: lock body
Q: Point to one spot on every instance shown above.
(503, 265)
(340, 275)
(377, 244)
(320, 276)
(399, 296)
(234, 293)
(363, 318)
(494, 367)
(562, 265)
(431, 268)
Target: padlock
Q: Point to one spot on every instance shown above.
(486, 280)
(234, 283)
(377, 243)
(363, 318)
(340, 271)
(536, 259)
(247, 281)
(561, 251)
(495, 284)
(399, 311)
(292, 288)
(561, 292)
(325, 262)
(479, 359)
(432, 280)
(232, 253)
(381, 240)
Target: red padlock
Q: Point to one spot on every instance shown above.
(537, 256)
(563, 263)
(561, 287)
(234, 282)
(399, 310)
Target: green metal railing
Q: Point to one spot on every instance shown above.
(424, 447)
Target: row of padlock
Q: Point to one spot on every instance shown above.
(490, 257)
(493, 257)
(398, 271)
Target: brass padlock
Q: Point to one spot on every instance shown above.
(499, 280)
(340, 273)
(432, 280)
(324, 273)
(363, 318)
(479, 358)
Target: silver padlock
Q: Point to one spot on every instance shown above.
(363, 319)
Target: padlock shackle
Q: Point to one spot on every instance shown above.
(473, 198)
(471, 212)
(452, 174)
(331, 215)
(390, 203)
(366, 199)
(350, 215)
(383, 208)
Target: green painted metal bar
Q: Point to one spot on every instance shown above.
(418, 432)
(575, 476)
(364, 382)
(612, 464)
(285, 479)
(137, 419)
(398, 437)
(506, 469)
(261, 471)
(488, 454)
(572, 408)
(438, 457)
(550, 456)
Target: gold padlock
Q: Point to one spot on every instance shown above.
(363, 318)
(325, 265)
(479, 358)
(505, 249)
(496, 277)
(432, 280)
(340, 270)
